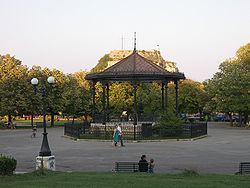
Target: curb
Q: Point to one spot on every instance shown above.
(20, 172)
(137, 141)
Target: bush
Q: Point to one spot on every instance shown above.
(190, 172)
(168, 119)
(7, 165)
(1, 124)
(41, 172)
(168, 125)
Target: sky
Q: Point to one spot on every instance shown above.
(72, 35)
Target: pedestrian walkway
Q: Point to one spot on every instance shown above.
(220, 152)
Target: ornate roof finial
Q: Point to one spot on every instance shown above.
(122, 41)
(135, 42)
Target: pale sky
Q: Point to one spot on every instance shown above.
(71, 35)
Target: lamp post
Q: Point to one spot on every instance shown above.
(45, 159)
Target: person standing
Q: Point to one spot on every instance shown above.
(34, 130)
(115, 136)
(143, 164)
(206, 118)
(120, 134)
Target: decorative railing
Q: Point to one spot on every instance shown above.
(75, 130)
(98, 118)
(183, 131)
(141, 131)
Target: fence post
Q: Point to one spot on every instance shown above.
(206, 128)
(84, 124)
(191, 131)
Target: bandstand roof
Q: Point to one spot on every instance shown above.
(135, 68)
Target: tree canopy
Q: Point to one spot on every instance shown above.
(229, 89)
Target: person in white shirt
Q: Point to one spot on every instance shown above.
(120, 134)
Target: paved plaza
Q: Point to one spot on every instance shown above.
(220, 152)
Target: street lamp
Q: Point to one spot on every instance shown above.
(45, 159)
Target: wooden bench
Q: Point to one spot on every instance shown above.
(130, 167)
(244, 168)
(126, 167)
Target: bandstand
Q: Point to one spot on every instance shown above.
(134, 69)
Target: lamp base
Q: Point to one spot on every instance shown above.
(46, 162)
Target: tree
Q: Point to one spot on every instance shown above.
(192, 97)
(230, 87)
(14, 87)
(35, 105)
(53, 100)
(149, 98)
(77, 97)
(121, 97)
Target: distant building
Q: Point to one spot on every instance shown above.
(154, 56)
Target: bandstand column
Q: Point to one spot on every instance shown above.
(176, 97)
(166, 96)
(103, 104)
(107, 85)
(93, 100)
(135, 109)
(162, 96)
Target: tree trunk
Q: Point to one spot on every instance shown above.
(85, 117)
(52, 119)
(10, 125)
(200, 112)
(230, 118)
(32, 120)
(9, 119)
(240, 119)
(73, 121)
(246, 117)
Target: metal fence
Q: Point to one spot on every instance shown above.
(76, 129)
(98, 118)
(183, 131)
(194, 130)
(129, 131)
(138, 132)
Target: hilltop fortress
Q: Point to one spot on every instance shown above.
(116, 55)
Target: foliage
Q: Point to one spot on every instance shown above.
(7, 165)
(54, 99)
(2, 124)
(121, 97)
(35, 103)
(229, 90)
(14, 86)
(168, 124)
(70, 93)
(168, 120)
(149, 98)
(77, 97)
(192, 97)
(190, 172)
(42, 172)
(47, 97)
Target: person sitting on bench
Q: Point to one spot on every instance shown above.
(143, 164)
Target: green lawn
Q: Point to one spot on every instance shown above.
(57, 123)
(121, 180)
